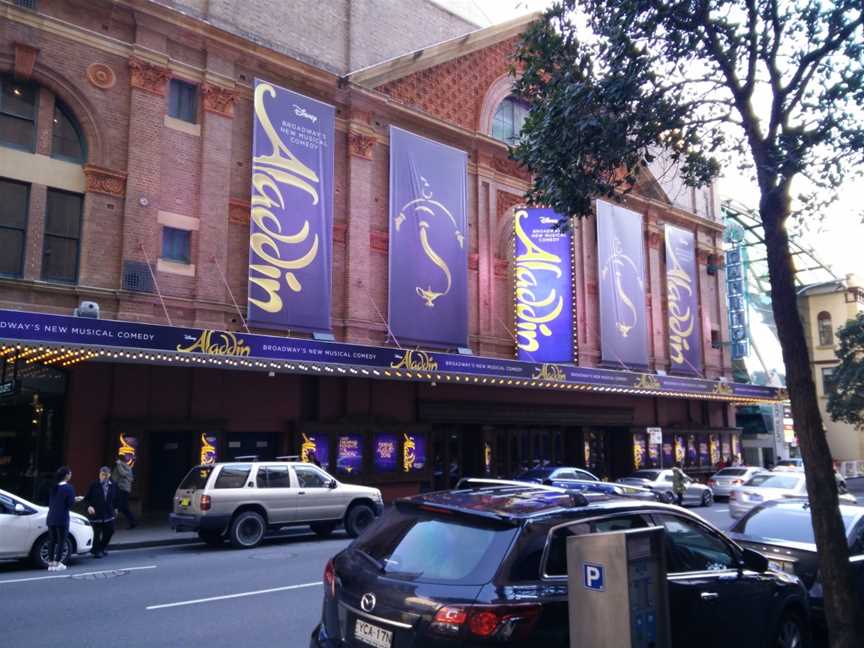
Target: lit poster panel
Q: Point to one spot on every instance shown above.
(428, 299)
(315, 448)
(386, 451)
(621, 258)
(685, 332)
(413, 452)
(544, 298)
(349, 455)
(292, 210)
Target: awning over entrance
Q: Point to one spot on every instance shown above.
(64, 341)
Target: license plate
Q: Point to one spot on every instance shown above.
(781, 566)
(372, 635)
(185, 501)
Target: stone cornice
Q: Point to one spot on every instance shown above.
(104, 181)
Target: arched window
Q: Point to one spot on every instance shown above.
(67, 142)
(826, 332)
(508, 120)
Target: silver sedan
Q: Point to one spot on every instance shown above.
(660, 481)
(765, 487)
(723, 480)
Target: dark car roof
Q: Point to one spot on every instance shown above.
(517, 503)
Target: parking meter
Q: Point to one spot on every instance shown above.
(615, 576)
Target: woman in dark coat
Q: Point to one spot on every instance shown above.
(60, 502)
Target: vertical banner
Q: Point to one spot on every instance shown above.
(292, 210)
(621, 259)
(428, 241)
(544, 293)
(736, 289)
(207, 455)
(685, 332)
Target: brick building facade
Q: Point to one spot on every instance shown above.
(162, 101)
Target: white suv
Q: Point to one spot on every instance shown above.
(242, 500)
(24, 533)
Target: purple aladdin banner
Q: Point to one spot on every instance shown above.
(349, 455)
(428, 241)
(115, 340)
(292, 210)
(544, 299)
(621, 257)
(685, 333)
(386, 451)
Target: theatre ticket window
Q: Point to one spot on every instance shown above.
(17, 114)
(60, 249)
(14, 198)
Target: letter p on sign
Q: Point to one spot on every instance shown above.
(593, 576)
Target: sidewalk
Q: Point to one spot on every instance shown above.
(152, 531)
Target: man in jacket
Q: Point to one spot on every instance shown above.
(100, 508)
(679, 483)
(123, 477)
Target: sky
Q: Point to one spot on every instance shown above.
(837, 242)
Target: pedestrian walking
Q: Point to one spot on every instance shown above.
(100, 501)
(60, 502)
(123, 478)
(679, 483)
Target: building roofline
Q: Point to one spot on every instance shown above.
(421, 59)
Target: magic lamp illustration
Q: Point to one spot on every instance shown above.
(428, 212)
(618, 263)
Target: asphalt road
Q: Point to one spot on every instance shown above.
(171, 596)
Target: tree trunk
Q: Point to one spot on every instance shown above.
(845, 621)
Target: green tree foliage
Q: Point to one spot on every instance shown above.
(776, 86)
(846, 399)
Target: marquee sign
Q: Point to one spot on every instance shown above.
(109, 340)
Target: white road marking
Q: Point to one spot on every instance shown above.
(232, 596)
(74, 573)
(721, 510)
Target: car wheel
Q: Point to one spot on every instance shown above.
(323, 529)
(211, 538)
(791, 633)
(707, 498)
(669, 497)
(359, 517)
(247, 530)
(39, 553)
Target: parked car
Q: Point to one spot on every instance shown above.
(24, 532)
(660, 482)
(241, 501)
(783, 532)
(724, 479)
(581, 480)
(765, 487)
(797, 465)
(487, 566)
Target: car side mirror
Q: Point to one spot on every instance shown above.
(20, 509)
(754, 561)
(332, 484)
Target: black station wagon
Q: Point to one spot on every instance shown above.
(486, 566)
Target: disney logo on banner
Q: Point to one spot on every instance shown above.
(534, 314)
(681, 320)
(416, 360)
(302, 112)
(550, 372)
(223, 343)
(270, 175)
(427, 209)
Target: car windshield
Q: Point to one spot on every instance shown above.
(732, 472)
(783, 482)
(791, 523)
(196, 478)
(758, 479)
(645, 474)
(423, 548)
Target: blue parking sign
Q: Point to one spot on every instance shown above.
(593, 576)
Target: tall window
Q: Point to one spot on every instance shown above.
(827, 380)
(508, 120)
(67, 142)
(60, 249)
(183, 101)
(17, 114)
(176, 245)
(14, 198)
(826, 332)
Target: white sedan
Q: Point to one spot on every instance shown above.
(767, 486)
(23, 532)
